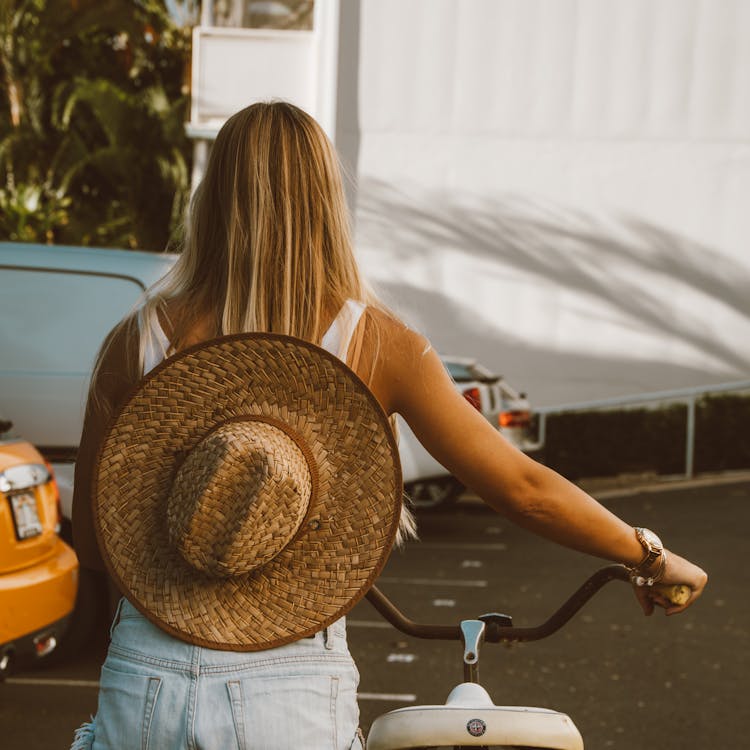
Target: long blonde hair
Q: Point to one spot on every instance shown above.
(267, 245)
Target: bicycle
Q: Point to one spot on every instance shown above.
(469, 718)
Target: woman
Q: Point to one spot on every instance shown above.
(268, 249)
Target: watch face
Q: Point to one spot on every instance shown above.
(651, 539)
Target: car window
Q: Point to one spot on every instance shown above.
(459, 371)
(35, 335)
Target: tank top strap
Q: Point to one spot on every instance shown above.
(336, 340)
(338, 337)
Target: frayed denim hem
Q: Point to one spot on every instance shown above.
(84, 736)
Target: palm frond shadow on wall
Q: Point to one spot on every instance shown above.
(624, 265)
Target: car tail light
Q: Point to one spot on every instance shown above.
(45, 644)
(474, 397)
(514, 418)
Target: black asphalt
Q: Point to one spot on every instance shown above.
(628, 682)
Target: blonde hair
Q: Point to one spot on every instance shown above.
(268, 244)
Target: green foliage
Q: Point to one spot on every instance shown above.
(722, 436)
(29, 214)
(92, 141)
(609, 443)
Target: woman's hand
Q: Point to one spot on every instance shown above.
(678, 571)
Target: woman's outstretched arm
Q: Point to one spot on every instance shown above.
(412, 381)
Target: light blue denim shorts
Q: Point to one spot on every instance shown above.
(160, 693)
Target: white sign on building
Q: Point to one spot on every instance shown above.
(234, 66)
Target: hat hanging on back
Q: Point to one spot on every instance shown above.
(248, 492)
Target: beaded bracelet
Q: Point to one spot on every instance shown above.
(640, 580)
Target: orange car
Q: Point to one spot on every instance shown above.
(38, 571)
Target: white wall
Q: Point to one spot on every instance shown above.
(559, 187)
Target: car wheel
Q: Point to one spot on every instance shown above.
(434, 493)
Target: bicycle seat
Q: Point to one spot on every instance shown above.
(470, 718)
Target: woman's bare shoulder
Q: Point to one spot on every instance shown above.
(396, 342)
(393, 353)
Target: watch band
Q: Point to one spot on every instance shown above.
(654, 550)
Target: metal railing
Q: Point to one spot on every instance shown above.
(687, 396)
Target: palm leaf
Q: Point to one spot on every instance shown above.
(112, 107)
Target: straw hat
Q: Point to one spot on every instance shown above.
(248, 492)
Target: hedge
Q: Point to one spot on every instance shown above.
(649, 440)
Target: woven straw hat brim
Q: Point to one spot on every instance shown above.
(345, 537)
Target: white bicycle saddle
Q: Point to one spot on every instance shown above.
(470, 718)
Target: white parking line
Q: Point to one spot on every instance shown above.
(368, 624)
(435, 582)
(52, 682)
(406, 697)
(401, 658)
(489, 546)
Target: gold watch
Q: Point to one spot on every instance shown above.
(654, 550)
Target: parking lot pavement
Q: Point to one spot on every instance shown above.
(627, 681)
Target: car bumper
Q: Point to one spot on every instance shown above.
(35, 599)
(25, 650)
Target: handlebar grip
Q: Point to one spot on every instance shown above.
(677, 593)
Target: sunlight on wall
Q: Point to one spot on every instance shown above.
(560, 188)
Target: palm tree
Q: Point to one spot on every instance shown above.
(137, 162)
(91, 139)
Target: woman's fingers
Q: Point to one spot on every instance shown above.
(682, 584)
(650, 597)
(676, 594)
(647, 604)
(675, 609)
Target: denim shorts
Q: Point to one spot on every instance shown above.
(158, 692)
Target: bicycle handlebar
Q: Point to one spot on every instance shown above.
(495, 632)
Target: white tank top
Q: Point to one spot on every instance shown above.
(336, 339)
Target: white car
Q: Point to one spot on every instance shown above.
(500, 403)
(426, 481)
(57, 304)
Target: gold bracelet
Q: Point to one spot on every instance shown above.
(640, 580)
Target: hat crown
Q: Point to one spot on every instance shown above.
(238, 498)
